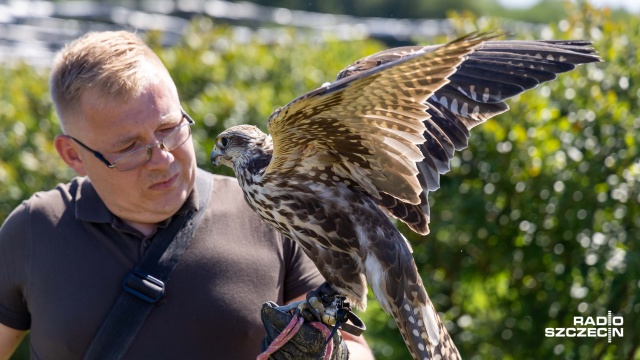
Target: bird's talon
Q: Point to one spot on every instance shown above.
(290, 306)
(316, 304)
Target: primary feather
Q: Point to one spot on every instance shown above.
(341, 158)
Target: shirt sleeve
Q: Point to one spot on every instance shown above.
(302, 275)
(13, 269)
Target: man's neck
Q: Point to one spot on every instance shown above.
(145, 228)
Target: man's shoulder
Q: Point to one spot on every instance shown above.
(223, 183)
(42, 211)
(224, 180)
(53, 201)
(228, 202)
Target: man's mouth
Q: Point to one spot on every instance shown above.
(162, 185)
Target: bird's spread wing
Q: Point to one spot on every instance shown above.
(366, 129)
(494, 72)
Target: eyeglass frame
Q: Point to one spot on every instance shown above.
(110, 165)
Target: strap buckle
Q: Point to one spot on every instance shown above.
(143, 286)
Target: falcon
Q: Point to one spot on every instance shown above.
(342, 160)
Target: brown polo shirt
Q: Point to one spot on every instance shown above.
(63, 256)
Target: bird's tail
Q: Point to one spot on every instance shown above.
(401, 293)
(423, 332)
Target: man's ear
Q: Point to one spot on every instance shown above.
(69, 154)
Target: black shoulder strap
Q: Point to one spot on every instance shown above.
(145, 285)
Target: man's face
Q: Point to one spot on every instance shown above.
(155, 190)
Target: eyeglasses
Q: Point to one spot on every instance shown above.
(140, 156)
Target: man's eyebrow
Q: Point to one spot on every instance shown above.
(126, 140)
(172, 121)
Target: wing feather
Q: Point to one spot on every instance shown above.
(494, 72)
(368, 127)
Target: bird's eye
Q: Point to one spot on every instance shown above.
(224, 142)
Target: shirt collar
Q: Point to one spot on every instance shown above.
(89, 205)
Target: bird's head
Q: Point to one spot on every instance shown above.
(240, 146)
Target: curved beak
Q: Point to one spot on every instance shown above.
(216, 155)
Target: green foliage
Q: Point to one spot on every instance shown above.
(28, 161)
(537, 222)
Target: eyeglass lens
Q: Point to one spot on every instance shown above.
(170, 142)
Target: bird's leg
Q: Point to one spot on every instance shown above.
(324, 304)
(328, 306)
(318, 301)
(321, 300)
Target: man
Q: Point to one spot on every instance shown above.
(64, 252)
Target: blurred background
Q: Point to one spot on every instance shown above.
(538, 220)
